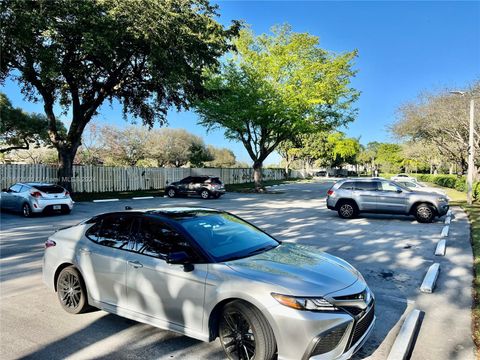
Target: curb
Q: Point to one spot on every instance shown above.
(403, 343)
(448, 219)
(105, 200)
(445, 231)
(441, 248)
(430, 279)
(142, 197)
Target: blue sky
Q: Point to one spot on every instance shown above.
(404, 48)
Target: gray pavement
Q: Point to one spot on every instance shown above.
(392, 252)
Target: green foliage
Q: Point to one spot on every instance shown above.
(220, 157)
(276, 87)
(389, 157)
(450, 181)
(149, 55)
(20, 130)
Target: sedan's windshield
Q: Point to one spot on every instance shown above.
(226, 237)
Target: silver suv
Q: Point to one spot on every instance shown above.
(353, 196)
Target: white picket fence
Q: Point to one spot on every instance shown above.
(89, 178)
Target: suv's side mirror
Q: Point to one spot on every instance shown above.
(399, 191)
(4, 190)
(181, 258)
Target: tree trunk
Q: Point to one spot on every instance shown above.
(65, 170)
(257, 175)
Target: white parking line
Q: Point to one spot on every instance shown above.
(449, 213)
(445, 231)
(430, 279)
(403, 342)
(142, 197)
(441, 248)
(448, 219)
(105, 200)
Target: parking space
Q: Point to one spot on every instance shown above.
(392, 252)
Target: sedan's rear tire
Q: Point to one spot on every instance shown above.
(424, 213)
(347, 209)
(245, 333)
(26, 210)
(71, 291)
(171, 193)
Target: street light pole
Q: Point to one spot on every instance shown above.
(471, 154)
(471, 149)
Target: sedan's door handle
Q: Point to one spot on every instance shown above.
(135, 264)
(85, 251)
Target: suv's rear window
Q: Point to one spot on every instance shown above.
(215, 181)
(50, 189)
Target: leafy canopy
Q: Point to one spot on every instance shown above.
(277, 86)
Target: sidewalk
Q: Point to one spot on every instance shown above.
(446, 329)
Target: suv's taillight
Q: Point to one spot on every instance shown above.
(330, 192)
(49, 243)
(36, 194)
(67, 193)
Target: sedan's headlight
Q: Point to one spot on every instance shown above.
(304, 303)
(442, 199)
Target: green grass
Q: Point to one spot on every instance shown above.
(250, 186)
(459, 198)
(115, 195)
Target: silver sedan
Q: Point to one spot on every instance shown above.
(207, 274)
(34, 198)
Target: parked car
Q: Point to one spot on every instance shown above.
(205, 186)
(353, 196)
(321, 173)
(34, 198)
(416, 186)
(401, 177)
(206, 274)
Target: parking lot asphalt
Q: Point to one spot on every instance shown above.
(392, 252)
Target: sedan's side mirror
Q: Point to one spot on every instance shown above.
(399, 191)
(181, 258)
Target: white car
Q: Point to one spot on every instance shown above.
(403, 177)
(416, 186)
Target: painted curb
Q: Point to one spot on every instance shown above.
(441, 248)
(448, 219)
(403, 343)
(106, 200)
(449, 213)
(142, 197)
(445, 231)
(430, 279)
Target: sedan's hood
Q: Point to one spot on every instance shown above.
(302, 270)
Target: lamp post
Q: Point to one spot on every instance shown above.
(471, 149)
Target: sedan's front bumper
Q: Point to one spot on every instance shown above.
(314, 335)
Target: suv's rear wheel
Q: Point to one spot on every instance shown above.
(424, 213)
(205, 194)
(245, 333)
(171, 193)
(347, 209)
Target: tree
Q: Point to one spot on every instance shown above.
(389, 157)
(441, 119)
(148, 55)
(20, 130)
(124, 146)
(221, 157)
(34, 155)
(368, 155)
(343, 150)
(276, 87)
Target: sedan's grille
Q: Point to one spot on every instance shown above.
(362, 326)
(329, 340)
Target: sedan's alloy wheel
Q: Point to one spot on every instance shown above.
(71, 291)
(27, 212)
(238, 338)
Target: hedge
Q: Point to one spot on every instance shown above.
(450, 181)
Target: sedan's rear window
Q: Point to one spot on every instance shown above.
(50, 189)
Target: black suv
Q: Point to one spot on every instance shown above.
(205, 186)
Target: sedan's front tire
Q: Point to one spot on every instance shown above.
(245, 333)
(425, 213)
(71, 291)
